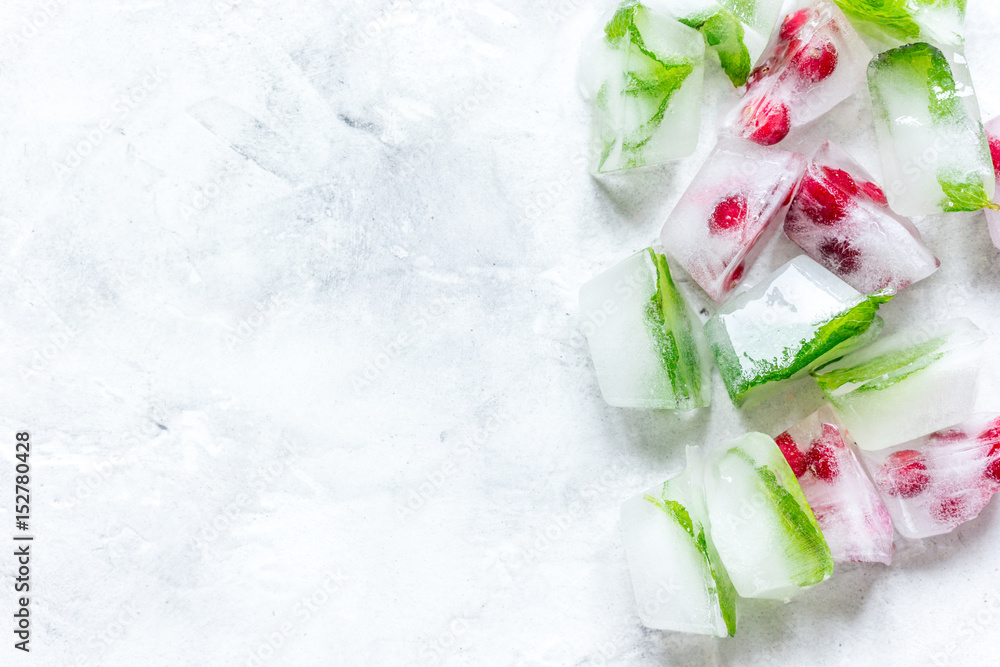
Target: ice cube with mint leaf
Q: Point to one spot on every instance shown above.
(766, 535)
(907, 385)
(934, 151)
(648, 345)
(897, 22)
(643, 74)
(796, 320)
(677, 576)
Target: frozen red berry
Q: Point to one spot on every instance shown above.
(796, 459)
(767, 122)
(947, 435)
(824, 205)
(729, 214)
(841, 180)
(822, 460)
(874, 193)
(992, 434)
(951, 509)
(816, 61)
(793, 23)
(904, 474)
(761, 71)
(736, 276)
(992, 471)
(995, 152)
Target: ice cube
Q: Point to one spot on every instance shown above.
(812, 64)
(798, 319)
(935, 483)
(735, 203)
(906, 385)
(648, 346)
(906, 21)
(678, 579)
(850, 513)
(737, 30)
(644, 76)
(993, 137)
(934, 152)
(765, 533)
(840, 217)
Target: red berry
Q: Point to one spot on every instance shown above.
(796, 459)
(823, 462)
(736, 276)
(840, 179)
(762, 71)
(767, 122)
(904, 474)
(729, 214)
(875, 193)
(995, 152)
(841, 255)
(950, 509)
(816, 61)
(825, 205)
(993, 467)
(992, 434)
(947, 435)
(793, 23)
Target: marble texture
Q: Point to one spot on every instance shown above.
(289, 306)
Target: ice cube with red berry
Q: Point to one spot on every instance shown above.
(814, 62)
(850, 513)
(935, 483)
(735, 203)
(906, 385)
(993, 136)
(840, 218)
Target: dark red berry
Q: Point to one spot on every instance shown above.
(951, 509)
(761, 71)
(729, 214)
(841, 180)
(947, 435)
(993, 467)
(796, 459)
(874, 192)
(736, 276)
(816, 61)
(841, 255)
(823, 204)
(995, 153)
(904, 474)
(767, 122)
(992, 434)
(823, 461)
(793, 23)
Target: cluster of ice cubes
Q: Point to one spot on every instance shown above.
(897, 447)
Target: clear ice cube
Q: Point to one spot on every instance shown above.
(993, 216)
(648, 346)
(677, 577)
(934, 151)
(796, 320)
(934, 484)
(814, 62)
(643, 74)
(855, 523)
(841, 218)
(735, 203)
(906, 385)
(765, 533)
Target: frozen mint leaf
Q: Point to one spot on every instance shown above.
(805, 539)
(884, 370)
(724, 33)
(926, 65)
(964, 195)
(619, 25)
(673, 333)
(891, 16)
(848, 325)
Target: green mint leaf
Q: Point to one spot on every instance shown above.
(618, 27)
(849, 324)
(925, 65)
(884, 370)
(805, 539)
(724, 33)
(673, 333)
(891, 16)
(963, 194)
